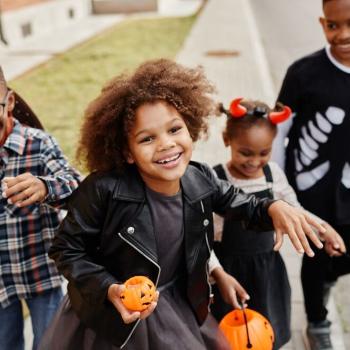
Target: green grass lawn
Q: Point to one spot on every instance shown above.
(60, 90)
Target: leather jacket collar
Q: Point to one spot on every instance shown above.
(194, 184)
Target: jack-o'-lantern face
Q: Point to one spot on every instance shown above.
(138, 294)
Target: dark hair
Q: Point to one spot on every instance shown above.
(24, 114)
(109, 118)
(235, 126)
(324, 1)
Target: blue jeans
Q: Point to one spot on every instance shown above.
(42, 308)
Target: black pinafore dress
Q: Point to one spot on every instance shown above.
(249, 257)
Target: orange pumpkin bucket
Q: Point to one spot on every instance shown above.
(138, 294)
(247, 329)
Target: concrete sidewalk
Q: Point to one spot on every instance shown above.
(226, 42)
(230, 28)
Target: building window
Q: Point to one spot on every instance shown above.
(26, 29)
(71, 13)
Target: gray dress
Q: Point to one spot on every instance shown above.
(172, 325)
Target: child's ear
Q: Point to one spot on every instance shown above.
(322, 21)
(226, 139)
(11, 102)
(128, 157)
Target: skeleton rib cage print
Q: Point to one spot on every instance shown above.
(313, 135)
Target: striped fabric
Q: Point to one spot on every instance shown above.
(26, 233)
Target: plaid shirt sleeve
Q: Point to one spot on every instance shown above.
(60, 178)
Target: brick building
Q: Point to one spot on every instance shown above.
(8, 5)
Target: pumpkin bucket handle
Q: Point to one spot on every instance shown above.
(249, 344)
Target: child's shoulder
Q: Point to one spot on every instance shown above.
(276, 171)
(102, 184)
(220, 171)
(30, 133)
(200, 175)
(31, 139)
(200, 168)
(311, 61)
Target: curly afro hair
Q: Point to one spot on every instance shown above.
(109, 118)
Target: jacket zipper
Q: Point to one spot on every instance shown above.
(207, 271)
(156, 284)
(207, 265)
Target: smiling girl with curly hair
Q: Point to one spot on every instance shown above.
(146, 209)
(111, 116)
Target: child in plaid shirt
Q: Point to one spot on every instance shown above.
(35, 182)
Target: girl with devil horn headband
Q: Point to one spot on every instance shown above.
(248, 255)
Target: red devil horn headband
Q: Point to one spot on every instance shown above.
(279, 117)
(238, 111)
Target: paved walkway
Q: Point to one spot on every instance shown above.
(225, 40)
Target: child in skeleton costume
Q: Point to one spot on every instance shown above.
(247, 254)
(317, 157)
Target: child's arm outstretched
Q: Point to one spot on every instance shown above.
(266, 214)
(297, 224)
(334, 244)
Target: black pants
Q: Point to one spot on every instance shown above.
(321, 269)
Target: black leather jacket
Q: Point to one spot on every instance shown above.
(108, 237)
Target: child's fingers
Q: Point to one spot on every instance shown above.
(339, 244)
(14, 180)
(333, 242)
(278, 240)
(156, 296)
(8, 181)
(303, 231)
(242, 304)
(331, 251)
(28, 201)
(311, 221)
(311, 234)
(308, 228)
(16, 187)
(316, 241)
(130, 316)
(295, 239)
(127, 315)
(233, 300)
(20, 197)
(25, 189)
(148, 311)
(241, 292)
